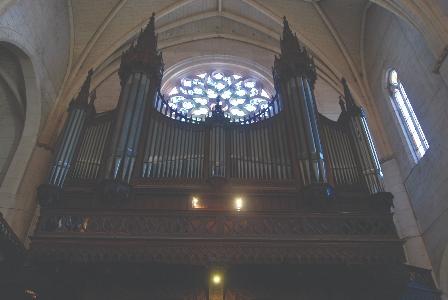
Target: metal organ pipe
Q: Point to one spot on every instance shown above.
(363, 144)
(140, 75)
(339, 151)
(294, 74)
(217, 146)
(127, 132)
(174, 149)
(87, 161)
(78, 112)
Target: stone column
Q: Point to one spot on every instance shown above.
(362, 142)
(78, 112)
(294, 76)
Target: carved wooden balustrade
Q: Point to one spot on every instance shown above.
(236, 237)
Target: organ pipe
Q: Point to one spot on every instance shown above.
(339, 154)
(217, 146)
(88, 160)
(78, 112)
(294, 76)
(363, 143)
(140, 75)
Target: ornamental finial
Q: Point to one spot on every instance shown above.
(83, 96)
(92, 97)
(143, 55)
(217, 111)
(342, 104)
(294, 59)
(347, 94)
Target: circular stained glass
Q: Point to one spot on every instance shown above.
(241, 96)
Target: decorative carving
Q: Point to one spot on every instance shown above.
(82, 100)
(318, 195)
(294, 59)
(48, 194)
(114, 191)
(143, 56)
(224, 226)
(207, 253)
(217, 112)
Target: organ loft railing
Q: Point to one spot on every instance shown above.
(145, 141)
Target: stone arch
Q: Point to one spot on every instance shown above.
(12, 107)
(429, 22)
(30, 96)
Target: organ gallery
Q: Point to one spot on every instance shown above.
(218, 188)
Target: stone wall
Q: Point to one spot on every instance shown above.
(38, 34)
(11, 108)
(392, 43)
(41, 28)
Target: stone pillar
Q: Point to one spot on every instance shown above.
(362, 142)
(404, 218)
(140, 75)
(78, 112)
(294, 76)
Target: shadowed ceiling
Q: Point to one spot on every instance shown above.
(247, 29)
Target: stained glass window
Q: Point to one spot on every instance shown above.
(195, 95)
(408, 119)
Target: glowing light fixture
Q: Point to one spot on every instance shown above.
(216, 278)
(238, 203)
(195, 202)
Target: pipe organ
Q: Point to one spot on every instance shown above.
(283, 186)
(287, 141)
(294, 76)
(363, 143)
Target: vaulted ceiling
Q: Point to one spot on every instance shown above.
(249, 29)
(245, 28)
(331, 29)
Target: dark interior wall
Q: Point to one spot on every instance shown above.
(390, 42)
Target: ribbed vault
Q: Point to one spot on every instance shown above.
(332, 30)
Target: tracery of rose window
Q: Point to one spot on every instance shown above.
(195, 95)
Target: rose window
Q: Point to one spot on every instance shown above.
(240, 96)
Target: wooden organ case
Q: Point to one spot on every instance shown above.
(143, 202)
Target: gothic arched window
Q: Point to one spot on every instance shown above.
(405, 113)
(195, 95)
